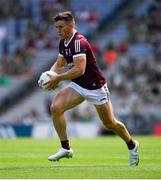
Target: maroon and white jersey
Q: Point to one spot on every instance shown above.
(79, 46)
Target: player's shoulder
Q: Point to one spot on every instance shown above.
(79, 43)
(80, 40)
(79, 36)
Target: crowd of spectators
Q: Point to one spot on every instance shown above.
(31, 25)
(31, 28)
(138, 79)
(145, 72)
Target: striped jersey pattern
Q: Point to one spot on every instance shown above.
(77, 46)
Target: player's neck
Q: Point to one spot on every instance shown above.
(70, 36)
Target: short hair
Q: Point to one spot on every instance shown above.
(65, 16)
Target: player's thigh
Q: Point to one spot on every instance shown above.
(105, 112)
(66, 99)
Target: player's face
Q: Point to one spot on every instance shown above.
(63, 29)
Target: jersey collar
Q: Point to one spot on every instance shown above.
(66, 44)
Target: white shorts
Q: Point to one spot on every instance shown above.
(97, 96)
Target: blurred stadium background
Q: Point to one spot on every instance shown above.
(126, 38)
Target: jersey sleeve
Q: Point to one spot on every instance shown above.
(80, 47)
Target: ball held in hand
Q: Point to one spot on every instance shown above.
(45, 78)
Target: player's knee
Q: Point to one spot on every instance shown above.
(55, 109)
(110, 125)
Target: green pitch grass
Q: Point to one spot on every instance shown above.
(98, 158)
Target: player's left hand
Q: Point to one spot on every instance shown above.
(53, 83)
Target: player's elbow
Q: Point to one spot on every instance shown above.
(78, 71)
(81, 71)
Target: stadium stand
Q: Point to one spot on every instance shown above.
(137, 62)
(26, 31)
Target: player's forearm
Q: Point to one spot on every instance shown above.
(71, 74)
(58, 69)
